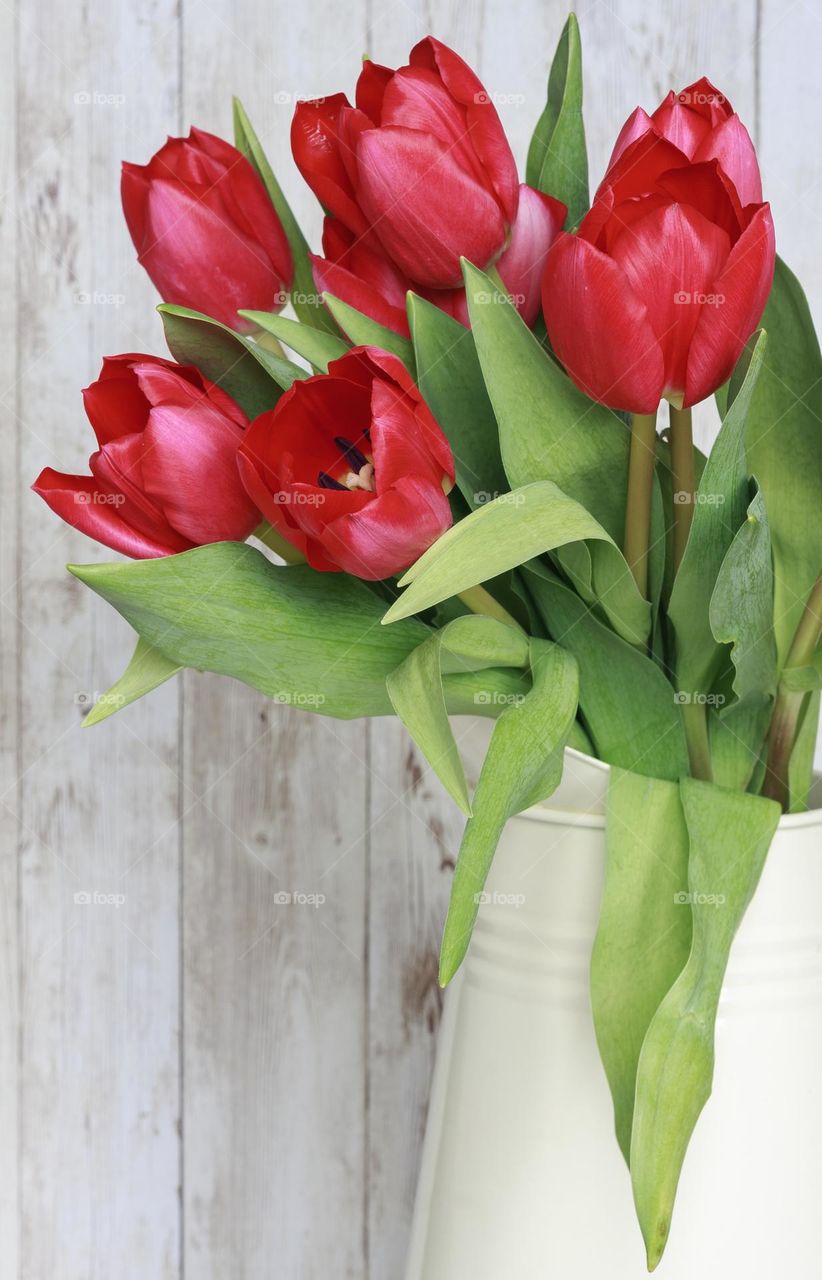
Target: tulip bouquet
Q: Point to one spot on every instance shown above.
(463, 499)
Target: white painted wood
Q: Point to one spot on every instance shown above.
(298, 1060)
(99, 1081)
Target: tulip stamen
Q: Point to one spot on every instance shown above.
(325, 481)
(362, 479)
(352, 455)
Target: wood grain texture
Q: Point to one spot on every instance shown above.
(218, 1078)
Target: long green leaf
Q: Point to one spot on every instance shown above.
(316, 345)
(510, 531)
(742, 606)
(523, 766)
(450, 378)
(644, 932)
(253, 377)
(365, 332)
(719, 512)
(469, 643)
(729, 834)
(627, 704)
(557, 158)
(304, 296)
(147, 670)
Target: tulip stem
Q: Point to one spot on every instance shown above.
(682, 479)
(789, 704)
(481, 601)
(268, 535)
(640, 490)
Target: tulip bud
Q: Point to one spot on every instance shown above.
(205, 229)
(351, 468)
(165, 476)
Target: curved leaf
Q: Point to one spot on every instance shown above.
(318, 346)
(557, 158)
(365, 332)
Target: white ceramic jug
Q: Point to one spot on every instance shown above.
(521, 1175)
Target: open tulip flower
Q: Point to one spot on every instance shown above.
(416, 176)
(164, 478)
(666, 279)
(205, 230)
(351, 468)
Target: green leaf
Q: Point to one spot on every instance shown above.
(644, 932)
(722, 500)
(253, 377)
(304, 294)
(365, 332)
(523, 766)
(737, 740)
(627, 704)
(548, 430)
(741, 606)
(315, 345)
(510, 531)
(729, 834)
(147, 670)
(309, 639)
(450, 378)
(557, 159)
(784, 439)
(469, 643)
(804, 679)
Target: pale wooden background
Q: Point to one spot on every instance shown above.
(201, 1082)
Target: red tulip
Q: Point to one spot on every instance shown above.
(351, 468)
(164, 478)
(205, 229)
(357, 270)
(703, 125)
(416, 176)
(664, 283)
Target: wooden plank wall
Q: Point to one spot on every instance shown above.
(202, 1081)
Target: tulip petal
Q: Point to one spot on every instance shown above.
(416, 98)
(425, 209)
(730, 144)
(358, 293)
(599, 329)
(115, 404)
(389, 533)
(723, 329)
(521, 266)
(82, 503)
(316, 147)
(487, 134)
(671, 259)
(638, 122)
(371, 86)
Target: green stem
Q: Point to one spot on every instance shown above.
(695, 724)
(479, 600)
(790, 703)
(640, 490)
(275, 541)
(682, 478)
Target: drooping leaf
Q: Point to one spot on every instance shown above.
(742, 606)
(450, 378)
(722, 500)
(365, 332)
(318, 346)
(523, 766)
(147, 670)
(729, 834)
(510, 531)
(784, 441)
(557, 158)
(469, 643)
(255, 378)
(303, 294)
(644, 932)
(627, 704)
